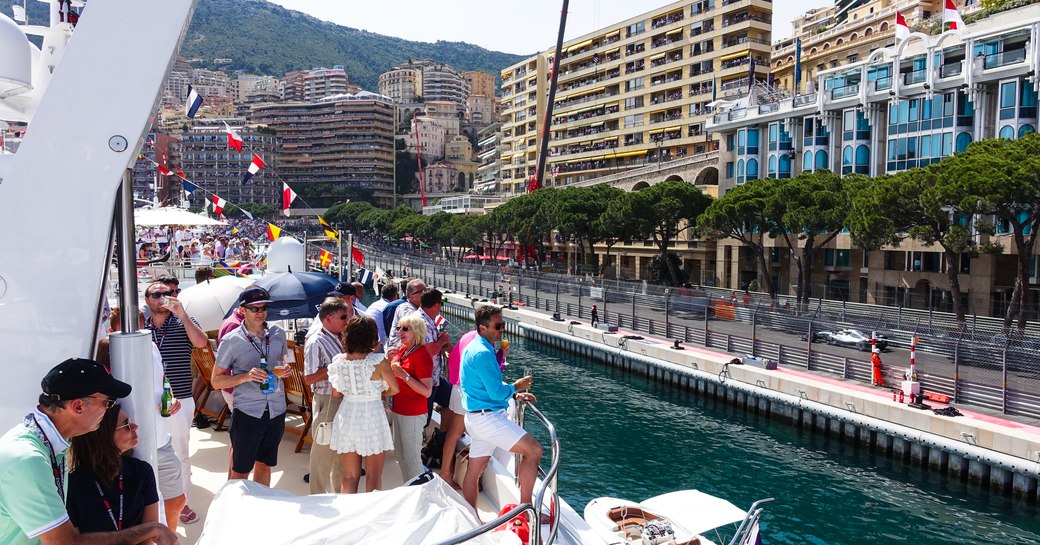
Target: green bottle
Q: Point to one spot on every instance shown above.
(166, 402)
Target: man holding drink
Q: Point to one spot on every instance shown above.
(255, 354)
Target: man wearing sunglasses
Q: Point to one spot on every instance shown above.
(176, 335)
(258, 418)
(334, 313)
(485, 399)
(345, 292)
(76, 394)
(413, 298)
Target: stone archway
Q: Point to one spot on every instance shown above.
(674, 178)
(708, 176)
(640, 185)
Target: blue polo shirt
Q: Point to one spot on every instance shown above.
(481, 378)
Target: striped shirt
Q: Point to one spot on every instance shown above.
(318, 354)
(175, 347)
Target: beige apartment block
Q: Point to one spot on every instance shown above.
(480, 83)
(635, 92)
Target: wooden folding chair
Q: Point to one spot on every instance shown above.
(204, 360)
(298, 397)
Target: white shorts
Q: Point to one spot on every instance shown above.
(491, 430)
(169, 470)
(455, 404)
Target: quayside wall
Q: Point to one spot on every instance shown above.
(991, 452)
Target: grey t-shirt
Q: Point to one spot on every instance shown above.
(240, 351)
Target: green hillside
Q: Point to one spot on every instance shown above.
(265, 38)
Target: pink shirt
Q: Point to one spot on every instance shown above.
(455, 357)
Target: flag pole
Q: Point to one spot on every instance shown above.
(543, 148)
(350, 258)
(339, 250)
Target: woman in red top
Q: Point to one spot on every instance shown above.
(413, 367)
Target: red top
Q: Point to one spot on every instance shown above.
(408, 402)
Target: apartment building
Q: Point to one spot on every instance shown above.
(208, 163)
(896, 109)
(335, 148)
(480, 83)
(633, 92)
(489, 157)
(316, 84)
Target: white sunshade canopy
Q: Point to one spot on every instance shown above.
(170, 216)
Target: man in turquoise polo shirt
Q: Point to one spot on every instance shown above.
(485, 399)
(33, 476)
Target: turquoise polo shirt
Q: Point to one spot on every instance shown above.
(29, 502)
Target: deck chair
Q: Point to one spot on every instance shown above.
(298, 397)
(204, 359)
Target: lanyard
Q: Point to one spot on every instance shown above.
(59, 470)
(117, 523)
(155, 332)
(267, 344)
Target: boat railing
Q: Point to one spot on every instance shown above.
(534, 511)
(749, 525)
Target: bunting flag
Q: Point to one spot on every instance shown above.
(218, 205)
(325, 258)
(192, 103)
(288, 195)
(273, 232)
(329, 231)
(163, 170)
(359, 257)
(364, 276)
(180, 173)
(376, 277)
(234, 230)
(902, 29)
(952, 16)
(188, 186)
(234, 141)
(246, 212)
(254, 167)
(223, 269)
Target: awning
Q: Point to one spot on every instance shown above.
(170, 216)
(736, 55)
(626, 154)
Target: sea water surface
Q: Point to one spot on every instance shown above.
(622, 435)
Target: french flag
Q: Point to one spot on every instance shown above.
(902, 29)
(218, 205)
(192, 103)
(952, 16)
(254, 167)
(234, 141)
(288, 195)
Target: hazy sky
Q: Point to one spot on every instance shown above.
(522, 27)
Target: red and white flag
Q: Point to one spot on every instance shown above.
(234, 141)
(902, 29)
(288, 195)
(952, 16)
(254, 166)
(218, 205)
(163, 170)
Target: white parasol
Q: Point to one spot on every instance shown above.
(209, 301)
(170, 216)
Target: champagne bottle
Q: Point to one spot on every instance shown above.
(166, 401)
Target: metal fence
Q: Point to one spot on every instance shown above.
(974, 363)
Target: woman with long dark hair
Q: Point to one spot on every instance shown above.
(108, 489)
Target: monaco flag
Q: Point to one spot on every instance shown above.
(902, 29)
(288, 195)
(218, 205)
(254, 166)
(234, 141)
(952, 16)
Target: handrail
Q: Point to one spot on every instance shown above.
(753, 514)
(548, 481)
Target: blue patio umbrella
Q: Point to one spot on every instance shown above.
(294, 294)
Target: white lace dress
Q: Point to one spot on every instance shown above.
(360, 425)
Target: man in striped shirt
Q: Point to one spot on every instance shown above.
(325, 467)
(176, 335)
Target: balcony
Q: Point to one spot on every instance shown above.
(845, 91)
(662, 41)
(882, 84)
(668, 19)
(996, 60)
(950, 70)
(915, 77)
(742, 17)
(671, 57)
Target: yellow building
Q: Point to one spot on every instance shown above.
(633, 92)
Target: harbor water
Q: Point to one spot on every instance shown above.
(626, 436)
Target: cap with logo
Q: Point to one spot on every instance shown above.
(343, 289)
(252, 296)
(78, 377)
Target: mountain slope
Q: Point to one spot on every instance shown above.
(265, 38)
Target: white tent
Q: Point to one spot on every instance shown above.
(170, 216)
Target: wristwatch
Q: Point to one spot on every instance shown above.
(407, 378)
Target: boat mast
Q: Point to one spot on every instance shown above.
(543, 150)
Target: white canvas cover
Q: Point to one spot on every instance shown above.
(246, 512)
(170, 216)
(694, 511)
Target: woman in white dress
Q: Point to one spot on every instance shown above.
(360, 428)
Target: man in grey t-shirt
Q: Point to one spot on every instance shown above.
(258, 419)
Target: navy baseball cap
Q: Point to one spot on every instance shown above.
(343, 289)
(79, 377)
(254, 295)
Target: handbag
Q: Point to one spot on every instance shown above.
(323, 433)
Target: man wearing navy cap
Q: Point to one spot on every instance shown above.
(76, 395)
(343, 290)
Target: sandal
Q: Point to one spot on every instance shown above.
(188, 516)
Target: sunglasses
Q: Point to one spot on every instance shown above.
(109, 402)
(403, 328)
(499, 326)
(158, 294)
(343, 316)
(129, 425)
(257, 308)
